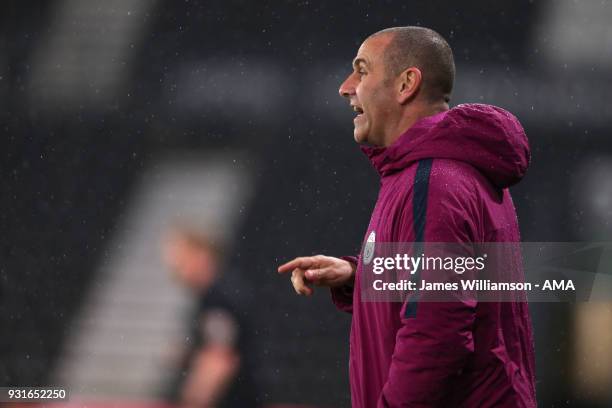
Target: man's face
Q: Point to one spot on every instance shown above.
(370, 92)
(194, 266)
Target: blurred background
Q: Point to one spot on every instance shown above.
(121, 119)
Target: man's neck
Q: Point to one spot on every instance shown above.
(411, 117)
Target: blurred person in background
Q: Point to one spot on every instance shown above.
(213, 371)
(445, 175)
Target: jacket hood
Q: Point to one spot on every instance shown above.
(489, 138)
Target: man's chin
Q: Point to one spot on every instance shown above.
(360, 137)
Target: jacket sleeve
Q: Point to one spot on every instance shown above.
(343, 296)
(432, 345)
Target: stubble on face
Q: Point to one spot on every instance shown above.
(373, 92)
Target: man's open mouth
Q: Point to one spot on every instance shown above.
(358, 110)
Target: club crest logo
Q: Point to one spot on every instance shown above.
(368, 250)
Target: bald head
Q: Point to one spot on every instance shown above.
(426, 50)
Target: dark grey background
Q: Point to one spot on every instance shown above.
(263, 77)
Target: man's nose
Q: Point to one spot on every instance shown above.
(347, 88)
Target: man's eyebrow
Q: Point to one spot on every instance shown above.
(358, 61)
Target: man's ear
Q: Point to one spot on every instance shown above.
(409, 84)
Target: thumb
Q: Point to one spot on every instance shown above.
(315, 274)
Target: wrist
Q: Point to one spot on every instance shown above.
(351, 280)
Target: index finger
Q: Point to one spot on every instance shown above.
(302, 262)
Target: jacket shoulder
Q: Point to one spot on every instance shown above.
(454, 202)
(450, 177)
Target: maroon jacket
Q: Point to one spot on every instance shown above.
(444, 180)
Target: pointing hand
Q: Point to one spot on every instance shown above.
(319, 270)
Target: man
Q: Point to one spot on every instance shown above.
(213, 370)
(444, 178)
